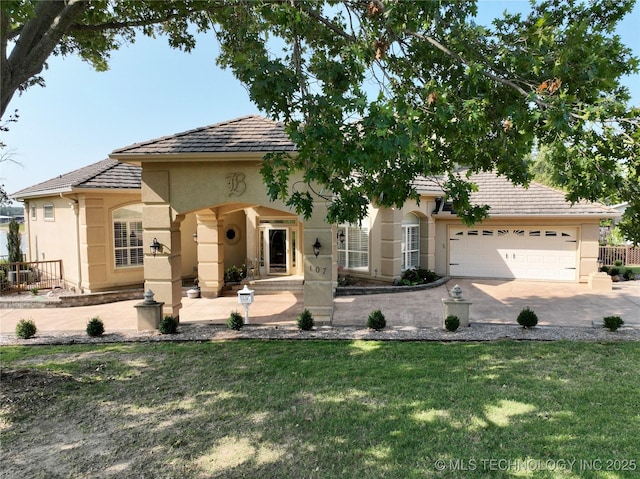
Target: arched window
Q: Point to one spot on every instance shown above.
(127, 236)
(353, 249)
(410, 241)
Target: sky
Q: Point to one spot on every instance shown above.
(150, 90)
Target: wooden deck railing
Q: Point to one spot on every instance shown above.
(627, 254)
(27, 275)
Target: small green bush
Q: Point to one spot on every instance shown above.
(168, 325)
(452, 322)
(415, 276)
(617, 263)
(34, 291)
(628, 274)
(26, 329)
(95, 327)
(376, 320)
(604, 269)
(346, 280)
(305, 320)
(235, 321)
(612, 323)
(614, 271)
(235, 274)
(527, 318)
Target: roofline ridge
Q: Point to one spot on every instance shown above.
(187, 132)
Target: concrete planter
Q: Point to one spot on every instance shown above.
(193, 293)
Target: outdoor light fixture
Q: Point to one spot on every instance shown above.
(155, 247)
(195, 237)
(316, 247)
(340, 236)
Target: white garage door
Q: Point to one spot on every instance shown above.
(525, 253)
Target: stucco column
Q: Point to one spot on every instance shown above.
(428, 242)
(210, 254)
(320, 272)
(162, 272)
(252, 225)
(390, 243)
(589, 251)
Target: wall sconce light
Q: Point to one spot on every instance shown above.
(195, 237)
(316, 247)
(155, 247)
(340, 236)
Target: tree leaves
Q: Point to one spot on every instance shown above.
(376, 94)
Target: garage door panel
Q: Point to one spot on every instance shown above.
(541, 253)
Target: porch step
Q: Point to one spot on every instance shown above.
(266, 286)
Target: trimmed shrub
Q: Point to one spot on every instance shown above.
(235, 321)
(614, 271)
(305, 320)
(376, 320)
(527, 318)
(452, 322)
(235, 274)
(617, 263)
(415, 276)
(628, 274)
(26, 329)
(95, 327)
(612, 323)
(168, 325)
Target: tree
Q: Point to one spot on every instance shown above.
(376, 93)
(13, 242)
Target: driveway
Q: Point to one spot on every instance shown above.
(492, 301)
(499, 302)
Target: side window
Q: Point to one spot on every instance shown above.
(48, 212)
(127, 236)
(34, 212)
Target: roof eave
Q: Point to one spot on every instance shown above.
(138, 158)
(554, 215)
(42, 193)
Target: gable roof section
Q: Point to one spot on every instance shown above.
(251, 133)
(105, 174)
(506, 199)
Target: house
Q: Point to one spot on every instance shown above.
(198, 197)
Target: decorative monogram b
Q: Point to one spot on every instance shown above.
(236, 184)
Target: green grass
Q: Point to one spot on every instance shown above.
(294, 409)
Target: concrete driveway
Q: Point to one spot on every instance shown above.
(499, 302)
(493, 301)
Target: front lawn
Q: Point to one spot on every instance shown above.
(321, 409)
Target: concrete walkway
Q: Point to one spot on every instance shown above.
(493, 301)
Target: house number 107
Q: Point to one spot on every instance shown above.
(318, 269)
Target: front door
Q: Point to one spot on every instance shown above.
(277, 262)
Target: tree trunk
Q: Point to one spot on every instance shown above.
(35, 43)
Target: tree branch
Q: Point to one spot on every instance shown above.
(38, 40)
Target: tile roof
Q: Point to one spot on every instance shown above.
(506, 199)
(254, 133)
(103, 174)
(251, 133)
(428, 185)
